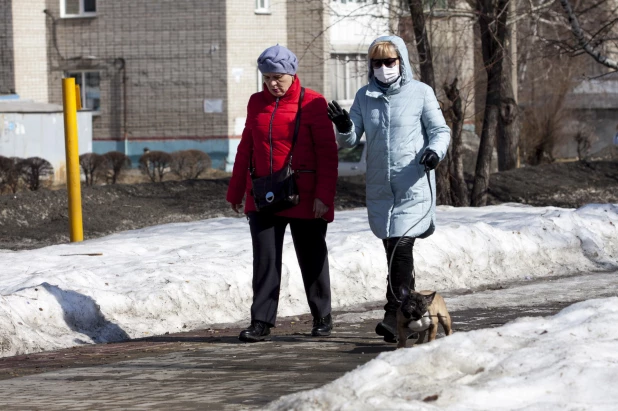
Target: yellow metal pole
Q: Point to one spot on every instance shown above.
(72, 160)
(78, 97)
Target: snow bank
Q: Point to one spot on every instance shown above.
(567, 361)
(178, 277)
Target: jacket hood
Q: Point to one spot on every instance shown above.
(402, 51)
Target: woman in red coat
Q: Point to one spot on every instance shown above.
(266, 144)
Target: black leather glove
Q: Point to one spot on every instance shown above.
(430, 159)
(340, 117)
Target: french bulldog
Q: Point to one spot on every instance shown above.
(420, 312)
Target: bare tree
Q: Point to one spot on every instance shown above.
(587, 44)
(190, 164)
(455, 115)
(34, 170)
(509, 123)
(423, 46)
(543, 121)
(155, 164)
(9, 174)
(492, 15)
(117, 162)
(91, 164)
(584, 136)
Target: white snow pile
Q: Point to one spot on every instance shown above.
(565, 362)
(178, 277)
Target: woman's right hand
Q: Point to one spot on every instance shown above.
(236, 207)
(339, 117)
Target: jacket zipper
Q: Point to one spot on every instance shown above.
(270, 135)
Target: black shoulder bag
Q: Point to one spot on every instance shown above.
(277, 191)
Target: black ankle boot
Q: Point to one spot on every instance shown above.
(387, 328)
(322, 326)
(257, 331)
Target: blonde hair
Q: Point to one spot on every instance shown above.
(383, 50)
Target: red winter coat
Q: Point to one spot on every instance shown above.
(315, 154)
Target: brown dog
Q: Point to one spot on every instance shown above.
(420, 312)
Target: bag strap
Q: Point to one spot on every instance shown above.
(294, 138)
(297, 126)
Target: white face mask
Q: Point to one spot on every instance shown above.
(386, 75)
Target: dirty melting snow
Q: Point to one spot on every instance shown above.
(567, 361)
(178, 277)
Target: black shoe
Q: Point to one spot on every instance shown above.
(387, 328)
(322, 326)
(257, 331)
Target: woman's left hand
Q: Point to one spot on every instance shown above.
(319, 208)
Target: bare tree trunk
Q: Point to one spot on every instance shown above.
(492, 21)
(422, 42)
(459, 189)
(423, 47)
(508, 126)
(509, 121)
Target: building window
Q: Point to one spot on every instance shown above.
(262, 6)
(90, 87)
(78, 8)
(260, 81)
(348, 74)
(430, 4)
(435, 4)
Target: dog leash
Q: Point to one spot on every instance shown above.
(390, 264)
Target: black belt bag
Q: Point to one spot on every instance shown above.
(277, 191)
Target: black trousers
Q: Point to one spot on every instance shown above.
(309, 236)
(401, 274)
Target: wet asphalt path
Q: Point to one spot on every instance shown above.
(211, 370)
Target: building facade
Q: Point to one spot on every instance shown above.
(168, 75)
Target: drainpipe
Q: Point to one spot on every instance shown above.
(121, 64)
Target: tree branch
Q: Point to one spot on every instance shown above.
(579, 36)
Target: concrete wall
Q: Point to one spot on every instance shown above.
(27, 135)
(30, 50)
(7, 73)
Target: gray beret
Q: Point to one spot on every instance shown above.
(277, 59)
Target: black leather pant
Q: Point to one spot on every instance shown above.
(401, 274)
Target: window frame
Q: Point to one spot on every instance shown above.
(342, 75)
(82, 13)
(82, 89)
(260, 80)
(259, 9)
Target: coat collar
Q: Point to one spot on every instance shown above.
(375, 91)
(290, 96)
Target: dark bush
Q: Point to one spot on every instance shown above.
(92, 165)
(188, 164)
(155, 164)
(34, 171)
(117, 162)
(9, 174)
(584, 137)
